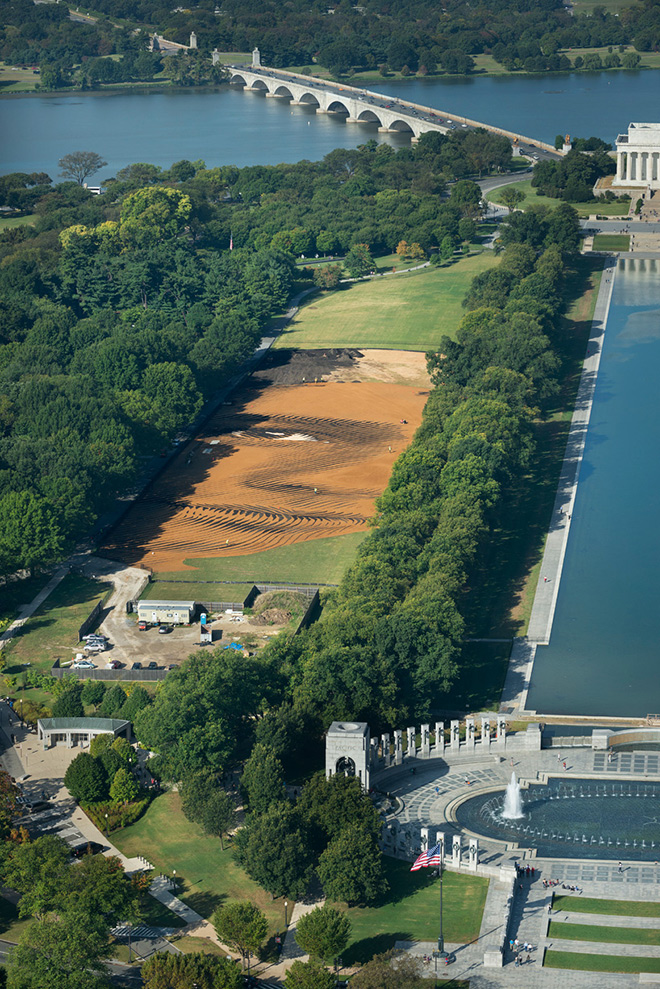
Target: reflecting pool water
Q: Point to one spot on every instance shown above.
(574, 818)
(603, 653)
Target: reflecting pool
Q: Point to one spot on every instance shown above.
(568, 818)
(603, 653)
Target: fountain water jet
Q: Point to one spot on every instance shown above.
(513, 808)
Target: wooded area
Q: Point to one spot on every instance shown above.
(415, 36)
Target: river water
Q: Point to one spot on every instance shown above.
(603, 653)
(228, 126)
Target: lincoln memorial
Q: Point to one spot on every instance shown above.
(638, 157)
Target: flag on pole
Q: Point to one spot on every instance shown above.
(231, 242)
(433, 856)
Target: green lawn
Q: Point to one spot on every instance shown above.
(583, 209)
(53, 629)
(206, 876)
(16, 593)
(610, 935)
(177, 591)
(407, 312)
(16, 80)
(320, 561)
(16, 221)
(611, 242)
(620, 908)
(599, 963)
(409, 912)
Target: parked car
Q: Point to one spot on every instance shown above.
(114, 664)
(83, 664)
(136, 666)
(172, 666)
(94, 648)
(164, 629)
(152, 665)
(95, 635)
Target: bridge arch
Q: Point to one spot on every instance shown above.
(237, 80)
(369, 117)
(283, 91)
(260, 85)
(336, 106)
(401, 125)
(311, 99)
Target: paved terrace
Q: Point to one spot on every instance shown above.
(426, 800)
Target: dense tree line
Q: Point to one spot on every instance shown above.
(413, 36)
(574, 176)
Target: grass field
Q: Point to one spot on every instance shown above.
(178, 591)
(599, 963)
(583, 209)
(321, 561)
(620, 908)
(53, 629)
(409, 912)
(206, 876)
(611, 242)
(608, 935)
(15, 80)
(407, 312)
(16, 221)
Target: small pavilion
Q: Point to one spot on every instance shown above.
(79, 731)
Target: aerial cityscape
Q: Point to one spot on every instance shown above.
(328, 528)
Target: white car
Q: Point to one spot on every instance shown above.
(83, 664)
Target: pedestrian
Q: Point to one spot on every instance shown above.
(533, 870)
(620, 869)
(529, 957)
(527, 872)
(564, 765)
(510, 944)
(559, 757)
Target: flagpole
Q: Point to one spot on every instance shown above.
(441, 937)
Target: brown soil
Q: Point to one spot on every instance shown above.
(285, 463)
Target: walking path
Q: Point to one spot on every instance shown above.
(29, 609)
(519, 673)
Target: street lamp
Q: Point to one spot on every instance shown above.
(286, 907)
(107, 832)
(174, 879)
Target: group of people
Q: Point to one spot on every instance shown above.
(549, 883)
(525, 871)
(522, 951)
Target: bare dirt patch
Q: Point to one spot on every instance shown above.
(296, 457)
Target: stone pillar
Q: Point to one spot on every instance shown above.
(473, 860)
(485, 733)
(424, 839)
(193, 40)
(633, 166)
(385, 746)
(215, 56)
(440, 840)
(469, 733)
(352, 120)
(410, 740)
(500, 737)
(654, 166)
(69, 740)
(374, 753)
(456, 843)
(398, 748)
(455, 737)
(320, 110)
(256, 58)
(439, 737)
(426, 744)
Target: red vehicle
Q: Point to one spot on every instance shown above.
(143, 626)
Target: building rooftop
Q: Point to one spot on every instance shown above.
(152, 603)
(82, 724)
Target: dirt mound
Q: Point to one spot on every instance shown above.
(272, 616)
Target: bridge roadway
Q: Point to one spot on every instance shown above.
(393, 115)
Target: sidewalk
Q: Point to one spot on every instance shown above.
(29, 609)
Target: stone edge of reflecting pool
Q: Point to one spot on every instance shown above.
(475, 815)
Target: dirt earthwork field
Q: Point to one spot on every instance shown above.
(302, 453)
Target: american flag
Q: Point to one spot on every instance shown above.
(431, 857)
